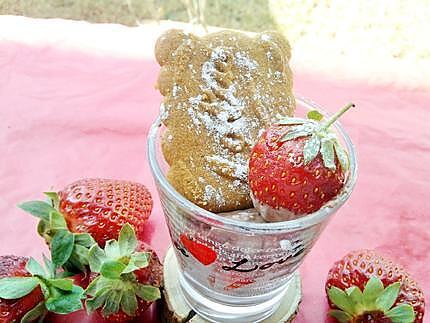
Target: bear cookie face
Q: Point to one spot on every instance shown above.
(220, 92)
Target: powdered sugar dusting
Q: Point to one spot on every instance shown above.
(213, 194)
(175, 90)
(242, 60)
(163, 112)
(226, 124)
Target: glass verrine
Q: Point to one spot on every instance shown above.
(235, 271)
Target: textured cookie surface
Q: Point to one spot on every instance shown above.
(220, 91)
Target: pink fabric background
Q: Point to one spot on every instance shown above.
(66, 115)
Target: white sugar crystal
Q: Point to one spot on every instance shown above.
(194, 117)
(212, 193)
(242, 60)
(163, 112)
(175, 89)
(195, 100)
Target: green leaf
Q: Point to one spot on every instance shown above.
(39, 209)
(78, 259)
(43, 228)
(293, 134)
(388, 297)
(81, 253)
(112, 249)
(112, 269)
(66, 302)
(372, 290)
(141, 259)
(38, 311)
(92, 287)
(342, 156)
(84, 239)
(315, 115)
(148, 293)
(131, 266)
(127, 240)
(96, 257)
(17, 287)
(61, 247)
(327, 153)
(45, 290)
(94, 303)
(112, 302)
(403, 313)
(50, 266)
(339, 298)
(311, 148)
(129, 302)
(291, 121)
(340, 316)
(34, 268)
(356, 298)
(62, 283)
(56, 221)
(138, 260)
(54, 198)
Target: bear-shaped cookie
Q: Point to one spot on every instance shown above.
(220, 92)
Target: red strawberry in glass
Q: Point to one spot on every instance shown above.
(296, 167)
(366, 287)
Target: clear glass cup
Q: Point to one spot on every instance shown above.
(235, 271)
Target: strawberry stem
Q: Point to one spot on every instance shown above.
(337, 115)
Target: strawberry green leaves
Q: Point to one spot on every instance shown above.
(62, 247)
(127, 240)
(315, 115)
(321, 139)
(17, 287)
(403, 313)
(353, 303)
(116, 287)
(39, 209)
(66, 301)
(311, 148)
(60, 295)
(68, 250)
(148, 293)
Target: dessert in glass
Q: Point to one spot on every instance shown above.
(233, 266)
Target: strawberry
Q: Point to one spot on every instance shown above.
(202, 253)
(89, 211)
(296, 167)
(28, 291)
(366, 287)
(126, 276)
(101, 207)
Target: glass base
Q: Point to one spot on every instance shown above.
(222, 308)
(183, 301)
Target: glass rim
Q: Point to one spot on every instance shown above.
(233, 224)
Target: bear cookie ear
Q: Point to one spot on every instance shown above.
(167, 44)
(276, 48)
(279, 40)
